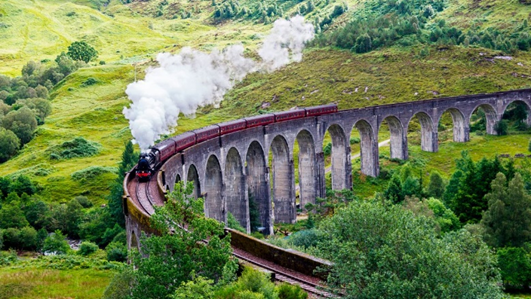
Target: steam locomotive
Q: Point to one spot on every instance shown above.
(148, 163)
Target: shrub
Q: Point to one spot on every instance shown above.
(116, 251)
(84, 201)
(305, 238)
(90, 81)
(501, 127)
(56, 243)
(327, 150)
(9, 144)
(75, 148)
(233, 223)
(515, 267)
(288, 291)
(354, 140)
(91, 172)
(87, 248)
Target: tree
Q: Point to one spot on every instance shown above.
(56, 242)
(80, 50)
(12, 216)
(129, 159)
(176, 254)
(436, 185)
(384, 251)
(22, 122)
(394, 190)
(507, 221)
(515, 266)
(9, 144)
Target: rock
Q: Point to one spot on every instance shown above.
(503, 57)
(265, 105)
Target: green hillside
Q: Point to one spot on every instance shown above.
(125, 34)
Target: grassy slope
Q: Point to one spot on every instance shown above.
(326, 75)
(40, 283)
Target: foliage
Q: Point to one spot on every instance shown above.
(445, 218)
(388, 252)
(91, 172)
(9, 144)
(233, 223)
(116, 251)
(469, 184)
(75, 148)
(507, 220)
(501, 127)
(87, 248)
(56, 243)
(80, 50)
(121, 285)
(254, 214)
(22, 122)
(129, 159)
(515, 267)
(334, 200)
(174, 256)
(394, 191)
(436, 186)
(12, 216)
(305, 238)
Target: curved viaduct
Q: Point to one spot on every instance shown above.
(229, 169)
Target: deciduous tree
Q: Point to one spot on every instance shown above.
(80, 50)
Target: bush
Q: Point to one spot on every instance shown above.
(515, 267)
(90, 81)
(84, 201)
(116, 251)
(75, 148)
(288, 291)
(56, 243)
(305, 238)
(354, 140)
(87, 248)
(91, 172)
(9, 144)
(233, 223)
(501, 127)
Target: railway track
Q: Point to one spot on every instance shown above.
(142, 191)
(310, 284)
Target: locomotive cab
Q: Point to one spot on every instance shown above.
(144, 170)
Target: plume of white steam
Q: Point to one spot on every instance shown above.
(287, 40)
(193, 79)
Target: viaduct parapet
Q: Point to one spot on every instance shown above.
(230, 170)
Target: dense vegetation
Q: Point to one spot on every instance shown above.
(58, 174)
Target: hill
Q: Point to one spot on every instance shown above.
(131, 33)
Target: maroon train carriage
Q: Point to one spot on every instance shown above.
(207, 133)
(260, 120)
(184, 141)
(232, 126)
(287, 115)
(165, 149)
(320, 110)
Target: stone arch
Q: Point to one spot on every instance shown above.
(194, 177)
(368, 149)
(428, 140)
(282, 172)
(258, 184)
(398, 143)
(214, 207)
(491, 117)
(235, 193)
(340, 164)
(527, 108)
(460, 125)
(307, 168)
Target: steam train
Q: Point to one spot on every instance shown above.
(148, 163)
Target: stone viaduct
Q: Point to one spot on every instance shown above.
(229, 170)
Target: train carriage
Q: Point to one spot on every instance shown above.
(320, 110)
(260, 120)
(207, 133)
(232, 126)
(184, 141)
(292, 114)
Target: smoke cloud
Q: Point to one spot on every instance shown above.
(192, 79)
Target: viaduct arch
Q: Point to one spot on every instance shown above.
(235, 169)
